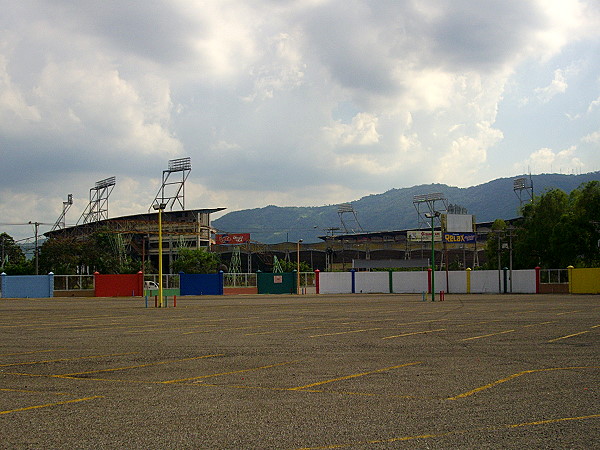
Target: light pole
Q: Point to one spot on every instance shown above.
(36, 224)
(160, 207)
(298, 267)
(432, 216)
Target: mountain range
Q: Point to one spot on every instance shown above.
(391, 210)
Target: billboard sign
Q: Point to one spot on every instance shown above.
(237, 238)
(460, 238)
(423, 236)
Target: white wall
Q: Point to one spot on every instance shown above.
(482, 282)
(335, 283)
(372, 282)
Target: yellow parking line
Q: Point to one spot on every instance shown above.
(568, 336)
(347, 377)
(47, 405)
(140, 365)
(413, 333)
(515, 375)
(229, 373)
(345, 332)
(64, 359)
(487, 335)
(568, 312)
(27, 353)
(453, 432)
(541, 323)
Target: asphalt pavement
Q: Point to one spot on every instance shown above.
(292, 372)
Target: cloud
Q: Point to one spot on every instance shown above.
(282, 102)
(545, 160)
(557, 86)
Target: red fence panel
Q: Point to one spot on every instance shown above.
(119, 285)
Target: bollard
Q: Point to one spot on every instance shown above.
(156, 301)
(423, 296)
(174, 301)
(442, 296)
(146, 300)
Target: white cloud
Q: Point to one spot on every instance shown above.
(325, 97)
(557, 86)
(545, 160)
(592, 137)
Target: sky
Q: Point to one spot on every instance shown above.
(288, 102)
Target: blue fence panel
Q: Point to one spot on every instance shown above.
(200, 283)
(27, 286)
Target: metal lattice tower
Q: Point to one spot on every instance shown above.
(60, 222)
(351, 224)
(426, 204)
(236, 260)
(173, 190)
(97, 208)
(523, 188)
(277, 265)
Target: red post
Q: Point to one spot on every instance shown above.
(429, 281)
(174, 301)
(442, 296)
(317, 285)
(156, 301)
(537, 279)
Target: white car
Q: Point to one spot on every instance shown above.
(150, 286)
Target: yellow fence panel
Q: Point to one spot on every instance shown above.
(584, 281)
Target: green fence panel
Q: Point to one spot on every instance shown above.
(276, 283)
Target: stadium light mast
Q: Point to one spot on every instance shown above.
(432, 216)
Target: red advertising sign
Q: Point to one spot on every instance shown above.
(237, 238)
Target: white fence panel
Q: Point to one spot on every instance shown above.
(409, 282)
(523, 282)
(335, 283)
(372, 282)
(484, 282)
(457, 282)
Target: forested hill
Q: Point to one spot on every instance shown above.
(392, 210)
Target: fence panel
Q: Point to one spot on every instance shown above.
(409, 282)
(372, 282)
(201, 284)
(485, 282)
(335, 283)
(27, 286)
(128, 285)
(276, 283)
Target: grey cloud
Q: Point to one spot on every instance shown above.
(482, 35)
(154, 29)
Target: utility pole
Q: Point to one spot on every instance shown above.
(37, 225)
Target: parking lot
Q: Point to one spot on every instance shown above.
(291, 372)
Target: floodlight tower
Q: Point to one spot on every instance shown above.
(426, 204)
(351, 225)
(97, 208)
(60, 222)
(173, 191)
(523, 189)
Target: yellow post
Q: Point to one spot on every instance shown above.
(570, 271)
(160, 258)
(468, 280)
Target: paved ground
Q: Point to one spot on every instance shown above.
(287, 372)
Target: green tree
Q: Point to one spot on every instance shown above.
(60, 256)
(290, 266)
(560, 230)
(13, 261)
(11, 253)
(494, 245)
(195, 261)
